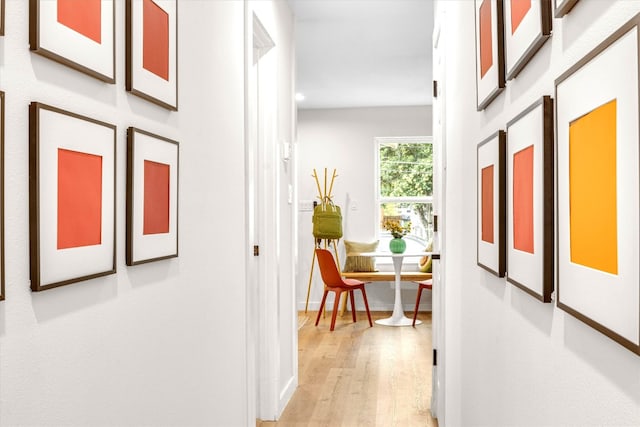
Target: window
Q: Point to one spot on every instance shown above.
(405, 188)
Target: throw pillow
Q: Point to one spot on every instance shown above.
(425, 262)
(357, 263)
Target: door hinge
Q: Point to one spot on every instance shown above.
(435, 88)
(435, 223)
(256, 250)
(435, 357)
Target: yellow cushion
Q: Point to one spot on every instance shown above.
(355, 262)
(425, 263)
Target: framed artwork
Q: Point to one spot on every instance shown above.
(79, 34)
(562, 7)
(491, 215)
(527, 26)
(598, 188)
(152, 197)
(2, 195)
(2, 17)
(489, 51)
(152, 51)
(71, 197)
(530, 200)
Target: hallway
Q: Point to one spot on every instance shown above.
(361, 376)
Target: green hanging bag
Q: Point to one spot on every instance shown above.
(327, 221)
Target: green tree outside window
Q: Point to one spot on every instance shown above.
(406, 171)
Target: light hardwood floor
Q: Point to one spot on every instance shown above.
(361, 376)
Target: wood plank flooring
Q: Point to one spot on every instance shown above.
(361, 376)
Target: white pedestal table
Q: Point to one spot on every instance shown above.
(397, 317)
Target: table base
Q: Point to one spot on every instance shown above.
(397, 321)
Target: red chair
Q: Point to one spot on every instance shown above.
(425, 284)
(333, 282)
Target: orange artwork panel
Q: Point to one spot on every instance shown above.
(79, 199)
(519, 9)
(82, 16)
(487, 204)
(486, 43)
(593, 209)
(155, 39)
(156, 198)
(523, 200)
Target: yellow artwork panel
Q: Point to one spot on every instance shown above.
(593, 189)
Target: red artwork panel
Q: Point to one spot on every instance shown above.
(487, 204)
(523, 200)
(79, 199)
(155, 39)
(519, 9)
(82, 16)
(486, 43)
(156, 198)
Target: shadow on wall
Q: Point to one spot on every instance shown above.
(56, 302)
(603, 355)
(573, 27)
(540, 316)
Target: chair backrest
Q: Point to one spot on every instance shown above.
(328, 269)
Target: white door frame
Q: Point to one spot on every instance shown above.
(262, 284)
(438, 294)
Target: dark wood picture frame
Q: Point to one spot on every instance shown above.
(51, 39)
(143, 147)
(593, 302)
(541, 258)
(521, 45)
(52, 131)
(492, 152)
(489, 28)
(2, 13)
(2, 275)
(562, 7)
(151, 84)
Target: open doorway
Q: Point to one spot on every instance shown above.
(349, 153)
(346, 138)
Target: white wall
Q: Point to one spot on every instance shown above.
(344, 139)
(511, 360)
(163, 343)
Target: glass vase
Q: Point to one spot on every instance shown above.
(397, 245)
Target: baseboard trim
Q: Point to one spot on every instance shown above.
(287, 393)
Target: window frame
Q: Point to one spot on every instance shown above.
(378, 197)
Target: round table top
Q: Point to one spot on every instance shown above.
(393, 255)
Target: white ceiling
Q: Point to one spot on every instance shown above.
(363, 53)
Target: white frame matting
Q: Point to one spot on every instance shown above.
(144, 146)
(52, 129)
(608, 302)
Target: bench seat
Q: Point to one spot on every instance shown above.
(386, 276)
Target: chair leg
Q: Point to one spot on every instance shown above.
(366, 305)
(336, 308)
(324, 298)
(415, 311)
(353, 306)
